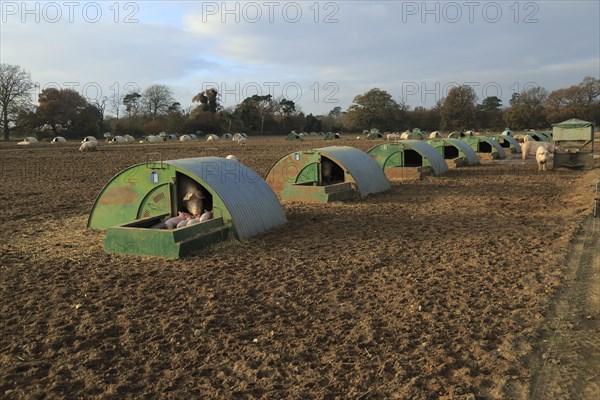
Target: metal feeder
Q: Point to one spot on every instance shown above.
(575, 139)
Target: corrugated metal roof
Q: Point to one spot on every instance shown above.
(427, 151)
(513, 142)
(494, 144)
(469, 153)
(253, 206)
(369, 176)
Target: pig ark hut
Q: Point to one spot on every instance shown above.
(408, 159)
(455, 151)
(485, 146)
(302, 175)
(508, 142)
(138, 197)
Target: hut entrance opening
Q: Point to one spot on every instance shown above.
(485, 147)
(331, 172)
(450, 152)
(184, 185)
(412, 158)
(504, 143)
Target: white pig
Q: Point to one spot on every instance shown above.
(530, 148)
(204, 217)
(542, 156)
(89, 146)
(172, 223)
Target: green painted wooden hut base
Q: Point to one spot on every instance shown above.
(309, 193)
(137, 238)
(407, 173)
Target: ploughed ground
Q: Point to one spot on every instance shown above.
(462, 286)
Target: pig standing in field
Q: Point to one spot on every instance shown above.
(542, 156)
(530, 148)
(89, 146)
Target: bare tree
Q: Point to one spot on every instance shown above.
(115, 103)
(15, 84)
(157, 99)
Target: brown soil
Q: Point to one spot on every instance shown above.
(443, 288)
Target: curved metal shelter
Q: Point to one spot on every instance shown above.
(539, 136)
(293, 136)
(456, 135)
(326, 174)
(508, 142)
(234, 192)
(408, 153)
(59, 139)
(453, 148)
(486, 145)
(414, 135)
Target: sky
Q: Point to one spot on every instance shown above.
(320, 54)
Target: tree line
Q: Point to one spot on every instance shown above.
(66, 113)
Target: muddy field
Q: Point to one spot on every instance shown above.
(439, 289)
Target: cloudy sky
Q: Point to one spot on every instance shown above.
(319, 54)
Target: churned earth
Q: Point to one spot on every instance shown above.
(452, 287)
